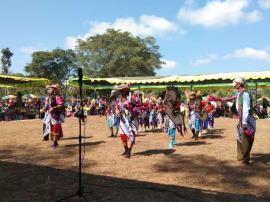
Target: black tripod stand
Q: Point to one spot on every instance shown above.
(80, 192)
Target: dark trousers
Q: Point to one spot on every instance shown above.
(244, 148)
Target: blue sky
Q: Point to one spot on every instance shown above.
(195, 36)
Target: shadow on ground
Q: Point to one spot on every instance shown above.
(216, 131)
(141, 134)
(202, 169)
(194, 143)
(76, 138)
(85, 144)
(155, 151)
(211, 136)
(40, 183)
(261, 158)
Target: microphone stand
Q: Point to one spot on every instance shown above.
(80, 192)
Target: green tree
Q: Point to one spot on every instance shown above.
(118, 54)
(6, 55)
(57, 65)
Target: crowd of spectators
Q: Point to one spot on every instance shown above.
(10, 109)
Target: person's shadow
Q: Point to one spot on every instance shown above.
(260, 157)
(155, 151)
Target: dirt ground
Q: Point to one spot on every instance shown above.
(202, 170)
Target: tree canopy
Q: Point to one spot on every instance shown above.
(56, 65)
(6, 55)
(118, 54)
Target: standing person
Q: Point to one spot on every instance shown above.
(160, 113)
(198, 120)
(110, 114)
(144, 117)
(56, 110)
(171, 132)
(191, 112)
(246, 127)
(153, 114)
(210, 109)
(46, 120)
(127, 129)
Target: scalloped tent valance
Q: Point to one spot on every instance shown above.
(19, 81)
(211, 81)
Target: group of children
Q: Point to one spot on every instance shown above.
(128, 113)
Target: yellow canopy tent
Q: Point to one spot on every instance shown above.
(8, 81)
(206, 81)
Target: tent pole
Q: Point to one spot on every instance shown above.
(256, 87)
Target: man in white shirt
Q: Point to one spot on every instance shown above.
(247, 125)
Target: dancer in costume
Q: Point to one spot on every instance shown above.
(111, 114)
(210, 109)
(191, 112)
(153, 114)
(198, 121)
(56, 114)
(247, 124)
(127, 128)
(144, 116)
(147, 106)
(135, 110)
(46, 120)
(171, 131)
(160, 113)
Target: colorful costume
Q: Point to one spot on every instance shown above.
(153, 116)
(127, 128)
(160, 115)
(57, 116)
(191, 116)
(210, 109)
(54, 116)
(111, 116)
(171, 132)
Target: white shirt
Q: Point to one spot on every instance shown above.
(246, 106)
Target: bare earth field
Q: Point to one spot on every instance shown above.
(202, 170)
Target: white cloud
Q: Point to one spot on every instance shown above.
(71, 42)
(145, 26)
(204, 61)
(168, 64)
(28, 50)
(217, 13)
(249, 53)
(264, 4)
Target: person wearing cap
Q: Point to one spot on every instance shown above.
(127, 128)
(246, 127)
(55, 114)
